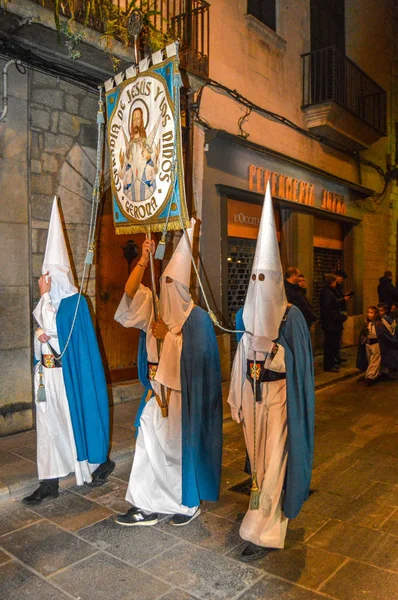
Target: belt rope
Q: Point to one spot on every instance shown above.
(255, 490)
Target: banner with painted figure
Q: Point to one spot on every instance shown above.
(144, 139)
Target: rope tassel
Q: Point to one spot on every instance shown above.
(41, 390)
(161, 248)
(254, 493)
(255, 490)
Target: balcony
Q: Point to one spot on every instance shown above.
(185, 20)
(340, 101)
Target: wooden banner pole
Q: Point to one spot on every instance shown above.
(164, 407)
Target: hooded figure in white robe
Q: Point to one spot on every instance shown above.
(173, 469)
(64, 443)
(264, 394)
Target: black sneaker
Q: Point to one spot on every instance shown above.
(181, 520)
(136, 517)
(101, 473)
(43, 492)
(252, 552)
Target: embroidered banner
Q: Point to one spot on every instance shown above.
(144, 138)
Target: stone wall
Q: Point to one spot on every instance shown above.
(63, 151)
(15, 345)
(47, 148)
(393, 153)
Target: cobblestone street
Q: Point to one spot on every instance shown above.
(344, 544)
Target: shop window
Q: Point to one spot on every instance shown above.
(264, 11)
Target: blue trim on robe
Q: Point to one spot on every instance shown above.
(142, 358)
(300, 396)
(201, 407)
(388, 347)
(201, 410)
(85, 382)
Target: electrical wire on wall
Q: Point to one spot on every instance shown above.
(57, 70)
(376, 199)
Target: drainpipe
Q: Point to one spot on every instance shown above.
(5, 87)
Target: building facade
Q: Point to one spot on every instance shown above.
(283, 91)
(280, 71)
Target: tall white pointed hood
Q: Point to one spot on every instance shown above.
(266, 301)
(175, 300)
(56, 260)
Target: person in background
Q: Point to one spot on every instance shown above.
(332, 319)
(342, 299)
(295, 295)
(370, 360)
(303, 286)
(386, 290)
(382, 307)
(394, 315)
(339, 289)
(378, 348)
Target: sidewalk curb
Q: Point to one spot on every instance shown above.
(27, 487)
(344, 376)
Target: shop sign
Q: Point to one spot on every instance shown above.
(244, 219)
(294, 190)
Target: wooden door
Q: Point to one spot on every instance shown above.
(118, 345)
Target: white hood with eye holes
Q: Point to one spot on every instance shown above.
(176, 303)
(56, 260)
(266, 301)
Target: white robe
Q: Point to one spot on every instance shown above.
(266, 526)
(155, 483)
(56, 448)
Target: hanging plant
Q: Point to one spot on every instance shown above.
(72, 38)
(113, 20)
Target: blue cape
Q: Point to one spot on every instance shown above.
(142, 376)
(388, 347)
(201, 407)
(201, 410)
(85, 382)
(300, 396)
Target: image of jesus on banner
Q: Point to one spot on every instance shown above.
(139, 161)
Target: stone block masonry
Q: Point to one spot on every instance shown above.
(56, 121)
(61, 165)
(15, 315)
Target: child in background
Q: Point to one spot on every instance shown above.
(386, 319)
(394, 316)
(378, 348)
(372, 346)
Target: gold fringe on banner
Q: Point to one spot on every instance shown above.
(155, 227)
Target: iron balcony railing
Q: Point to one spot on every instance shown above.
(185, 20)
(330, 75)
